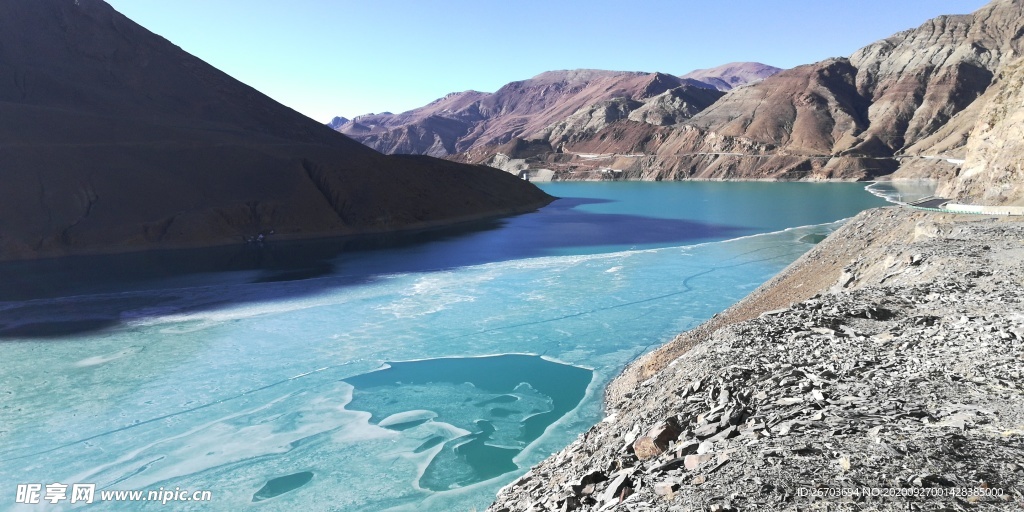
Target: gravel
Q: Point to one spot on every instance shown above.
(882, 371)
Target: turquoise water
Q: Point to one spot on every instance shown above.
(420, 376)
(903, 191)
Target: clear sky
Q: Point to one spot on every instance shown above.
(349, 57)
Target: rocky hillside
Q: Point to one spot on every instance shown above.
(670, 107)
(555, 102)
(885, 97)
(430, 130)
(993, 173)
(114, 139)
(887, 358)
(906, 103)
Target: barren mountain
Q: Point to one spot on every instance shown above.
(429, 130)
(675, 106)
(918, 79)
(670, 107)
(337, 122)
(809, 109)
(525, 109)
(588, 120)
(905, 104)
(918, 93)
(114, 140)
(550, 107)
(849, 118)
(993, 173)
(732, 75)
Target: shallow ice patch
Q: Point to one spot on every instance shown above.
(501, 404)
(406, 420)
(281, 485)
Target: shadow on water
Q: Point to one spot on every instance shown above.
(56, 329)
(311, 266)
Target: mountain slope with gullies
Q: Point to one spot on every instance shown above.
(554, 101)
(993, 170)
(885, 97)
(911, 95)
(461, 121)
(114, 140)
(905, 105)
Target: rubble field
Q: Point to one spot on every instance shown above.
(886, 376)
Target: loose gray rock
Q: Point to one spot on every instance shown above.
(908, 380)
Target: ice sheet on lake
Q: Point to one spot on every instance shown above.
(214, 388)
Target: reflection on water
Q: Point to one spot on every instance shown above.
(903, 191)
(589, 218)
(559, 228)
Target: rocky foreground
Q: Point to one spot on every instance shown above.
(893, 382)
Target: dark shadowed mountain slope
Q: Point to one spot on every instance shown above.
(113, 139)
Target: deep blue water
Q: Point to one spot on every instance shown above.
(406, 373)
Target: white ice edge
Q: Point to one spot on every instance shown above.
(518, 459)
(256, 308)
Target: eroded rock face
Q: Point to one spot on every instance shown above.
(527, 109)
(808, 109)
(675, 106)
(589, 120)
(993, 173)
(556, 106)
(918, 79)
(918, 93)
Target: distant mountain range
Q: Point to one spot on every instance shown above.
(730, 76)
(553, 102)
(113, 139)
(905, 104)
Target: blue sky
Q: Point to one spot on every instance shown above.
(344, 57)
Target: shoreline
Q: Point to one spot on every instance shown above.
(664, 446)
(341, 239)
(738, 180)
(813, 272)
